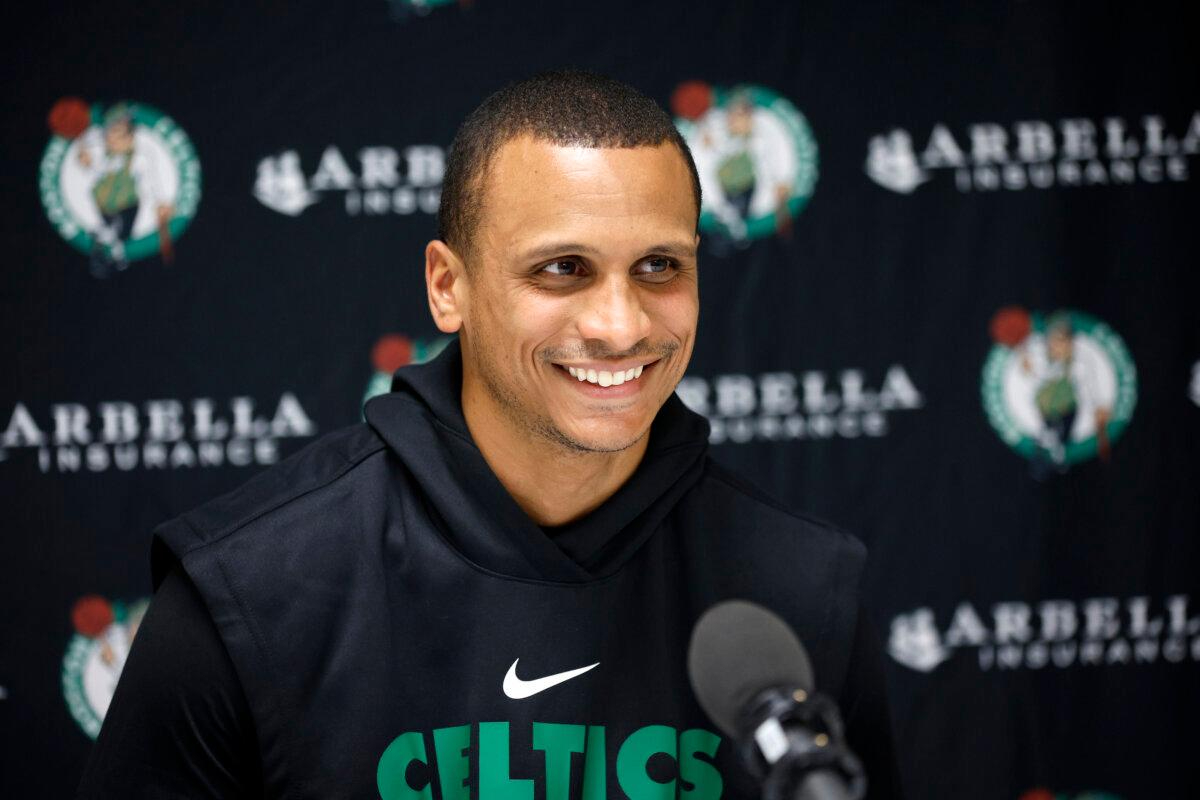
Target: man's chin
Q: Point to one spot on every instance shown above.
(598, 441)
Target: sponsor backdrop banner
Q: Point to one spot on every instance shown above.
(949, 303)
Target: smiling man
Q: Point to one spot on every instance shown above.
(486, 591)
(568, 267)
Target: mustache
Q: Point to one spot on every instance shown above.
(598, 351)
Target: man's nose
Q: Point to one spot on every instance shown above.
(613, 314)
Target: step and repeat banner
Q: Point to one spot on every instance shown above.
(949, 302)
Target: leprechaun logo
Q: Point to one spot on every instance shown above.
(1058, 388)
(756, 156)
(103, 633)
(119, 182)
(395, 350)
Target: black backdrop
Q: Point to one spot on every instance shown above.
(948, 301)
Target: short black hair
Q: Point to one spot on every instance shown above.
(565, 107)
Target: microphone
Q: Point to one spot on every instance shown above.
(754, 680)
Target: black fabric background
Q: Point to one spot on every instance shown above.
(258, 304)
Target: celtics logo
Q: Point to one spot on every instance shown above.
(1059, 389)
(394, 351)
(756, 156)
(103, 633)
(120, 183)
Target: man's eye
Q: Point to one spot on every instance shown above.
(656, 269)
(564, 267)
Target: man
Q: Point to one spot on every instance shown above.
(487, 590)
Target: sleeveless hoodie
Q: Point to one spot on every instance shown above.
(390, 611)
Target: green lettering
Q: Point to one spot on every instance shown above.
(595, 766)
(494, 780)
(559, 742)
(704, 777)
(450, 746)
(631, 763)
(390, 775)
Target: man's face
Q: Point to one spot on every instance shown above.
(584, 261)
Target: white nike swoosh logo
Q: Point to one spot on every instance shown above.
(518, 689)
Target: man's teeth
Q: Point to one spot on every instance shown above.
(604, 377)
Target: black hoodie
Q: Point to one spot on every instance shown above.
(386, 613)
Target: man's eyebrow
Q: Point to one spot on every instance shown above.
(550, 249)
(673, 249)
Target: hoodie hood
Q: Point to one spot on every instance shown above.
(422, 422)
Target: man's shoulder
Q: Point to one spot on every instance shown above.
(762, 515)
(325, 465)
(801, 567)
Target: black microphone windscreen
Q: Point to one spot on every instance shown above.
(739, 650)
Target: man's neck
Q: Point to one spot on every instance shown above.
(553, 483)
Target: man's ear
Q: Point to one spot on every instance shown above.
(446, 285)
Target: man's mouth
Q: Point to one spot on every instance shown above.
(605, 377)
